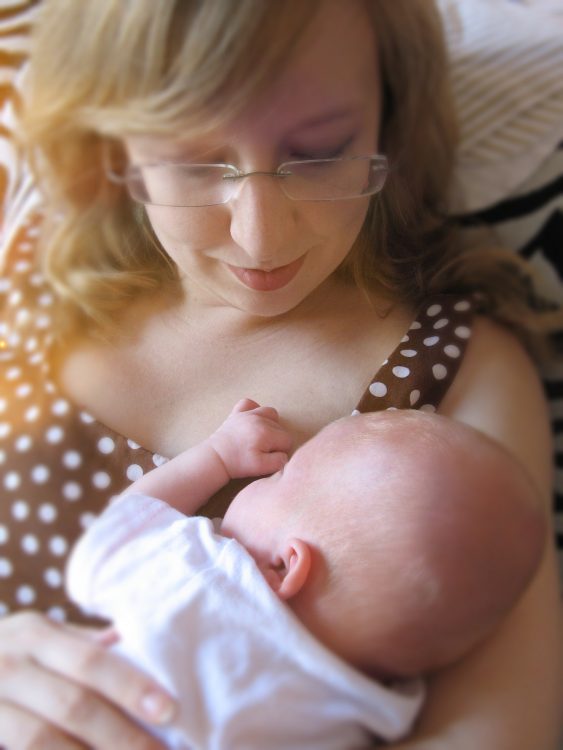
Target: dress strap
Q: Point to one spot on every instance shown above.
(423, 366)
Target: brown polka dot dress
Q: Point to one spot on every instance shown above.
(59, 466)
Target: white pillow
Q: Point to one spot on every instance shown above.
(507, 75)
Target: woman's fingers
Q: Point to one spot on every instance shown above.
(56, 706)
(81, 659)
(20, 730)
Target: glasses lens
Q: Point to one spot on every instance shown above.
(181, 184)
(333, 179)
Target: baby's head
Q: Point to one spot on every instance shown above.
(399, 538)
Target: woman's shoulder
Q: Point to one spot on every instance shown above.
(498, 391)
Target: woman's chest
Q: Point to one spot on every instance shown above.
(174, 387)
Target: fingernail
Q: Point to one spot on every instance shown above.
(158, 707)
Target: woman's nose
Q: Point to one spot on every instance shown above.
(263, 220)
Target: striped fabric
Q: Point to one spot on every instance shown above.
(507, 72)
(507, 75)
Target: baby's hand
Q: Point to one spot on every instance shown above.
(251, 442)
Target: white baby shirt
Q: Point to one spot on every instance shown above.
(194, 611)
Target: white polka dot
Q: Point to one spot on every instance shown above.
(2, 457)
(30, 544)
(5, 429)
(159, 460)
(54, 434)
(86, 519)
(13, 373)
(452, 351)
(106, 445)
(60, 407)
(133, 445)
(36, 359)
(415, 325)
(14, 339)
(58, 545)
(3, 609)
(101, 480)
(57, 614)
(53, 577)
(25, 595)
(401, 372)
(5, 285)
(439, 371)
(45, 299)
(23, 390)
(42, 322)
(72, 491)
(462, 306)
(47, 513)
(86, 418)
(134, 472)
(40, 474)
(22, 266)
(414, 396)
(31, 344)
(4, 534)
(3, 405)
(428, 407)
(463, 332)
(355, 413)
(378, 389)
(12, 480)
(32, 413)
(6, 568)
(442, 323)
(405, 339)
(20, 510)
(72, 459)
(434, 310)
(23, 443)
(431, 340)
(408, 352)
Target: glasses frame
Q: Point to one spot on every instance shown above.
(283, 171)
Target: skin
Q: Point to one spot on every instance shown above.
(506, 695)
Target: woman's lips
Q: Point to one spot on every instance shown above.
(267, 281)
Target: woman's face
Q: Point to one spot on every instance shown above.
(263, 253)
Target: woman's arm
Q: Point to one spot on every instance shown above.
(507, 694)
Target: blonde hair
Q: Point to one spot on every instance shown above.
(106, 68)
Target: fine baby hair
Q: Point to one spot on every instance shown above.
(434, 520)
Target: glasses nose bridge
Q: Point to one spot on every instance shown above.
(238, 178)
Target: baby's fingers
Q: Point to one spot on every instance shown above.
(272, 462)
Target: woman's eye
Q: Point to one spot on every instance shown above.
(310, 155)
(329, 153)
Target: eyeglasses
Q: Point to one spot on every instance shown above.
(193, 185)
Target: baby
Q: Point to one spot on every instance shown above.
(386, 547)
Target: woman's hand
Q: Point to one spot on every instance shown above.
(61, 688)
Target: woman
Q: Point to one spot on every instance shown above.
(174, 287)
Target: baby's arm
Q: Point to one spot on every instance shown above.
(250, 442)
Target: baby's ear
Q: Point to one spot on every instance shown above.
(288, 576)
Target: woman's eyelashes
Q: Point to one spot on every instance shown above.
(303, 154)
